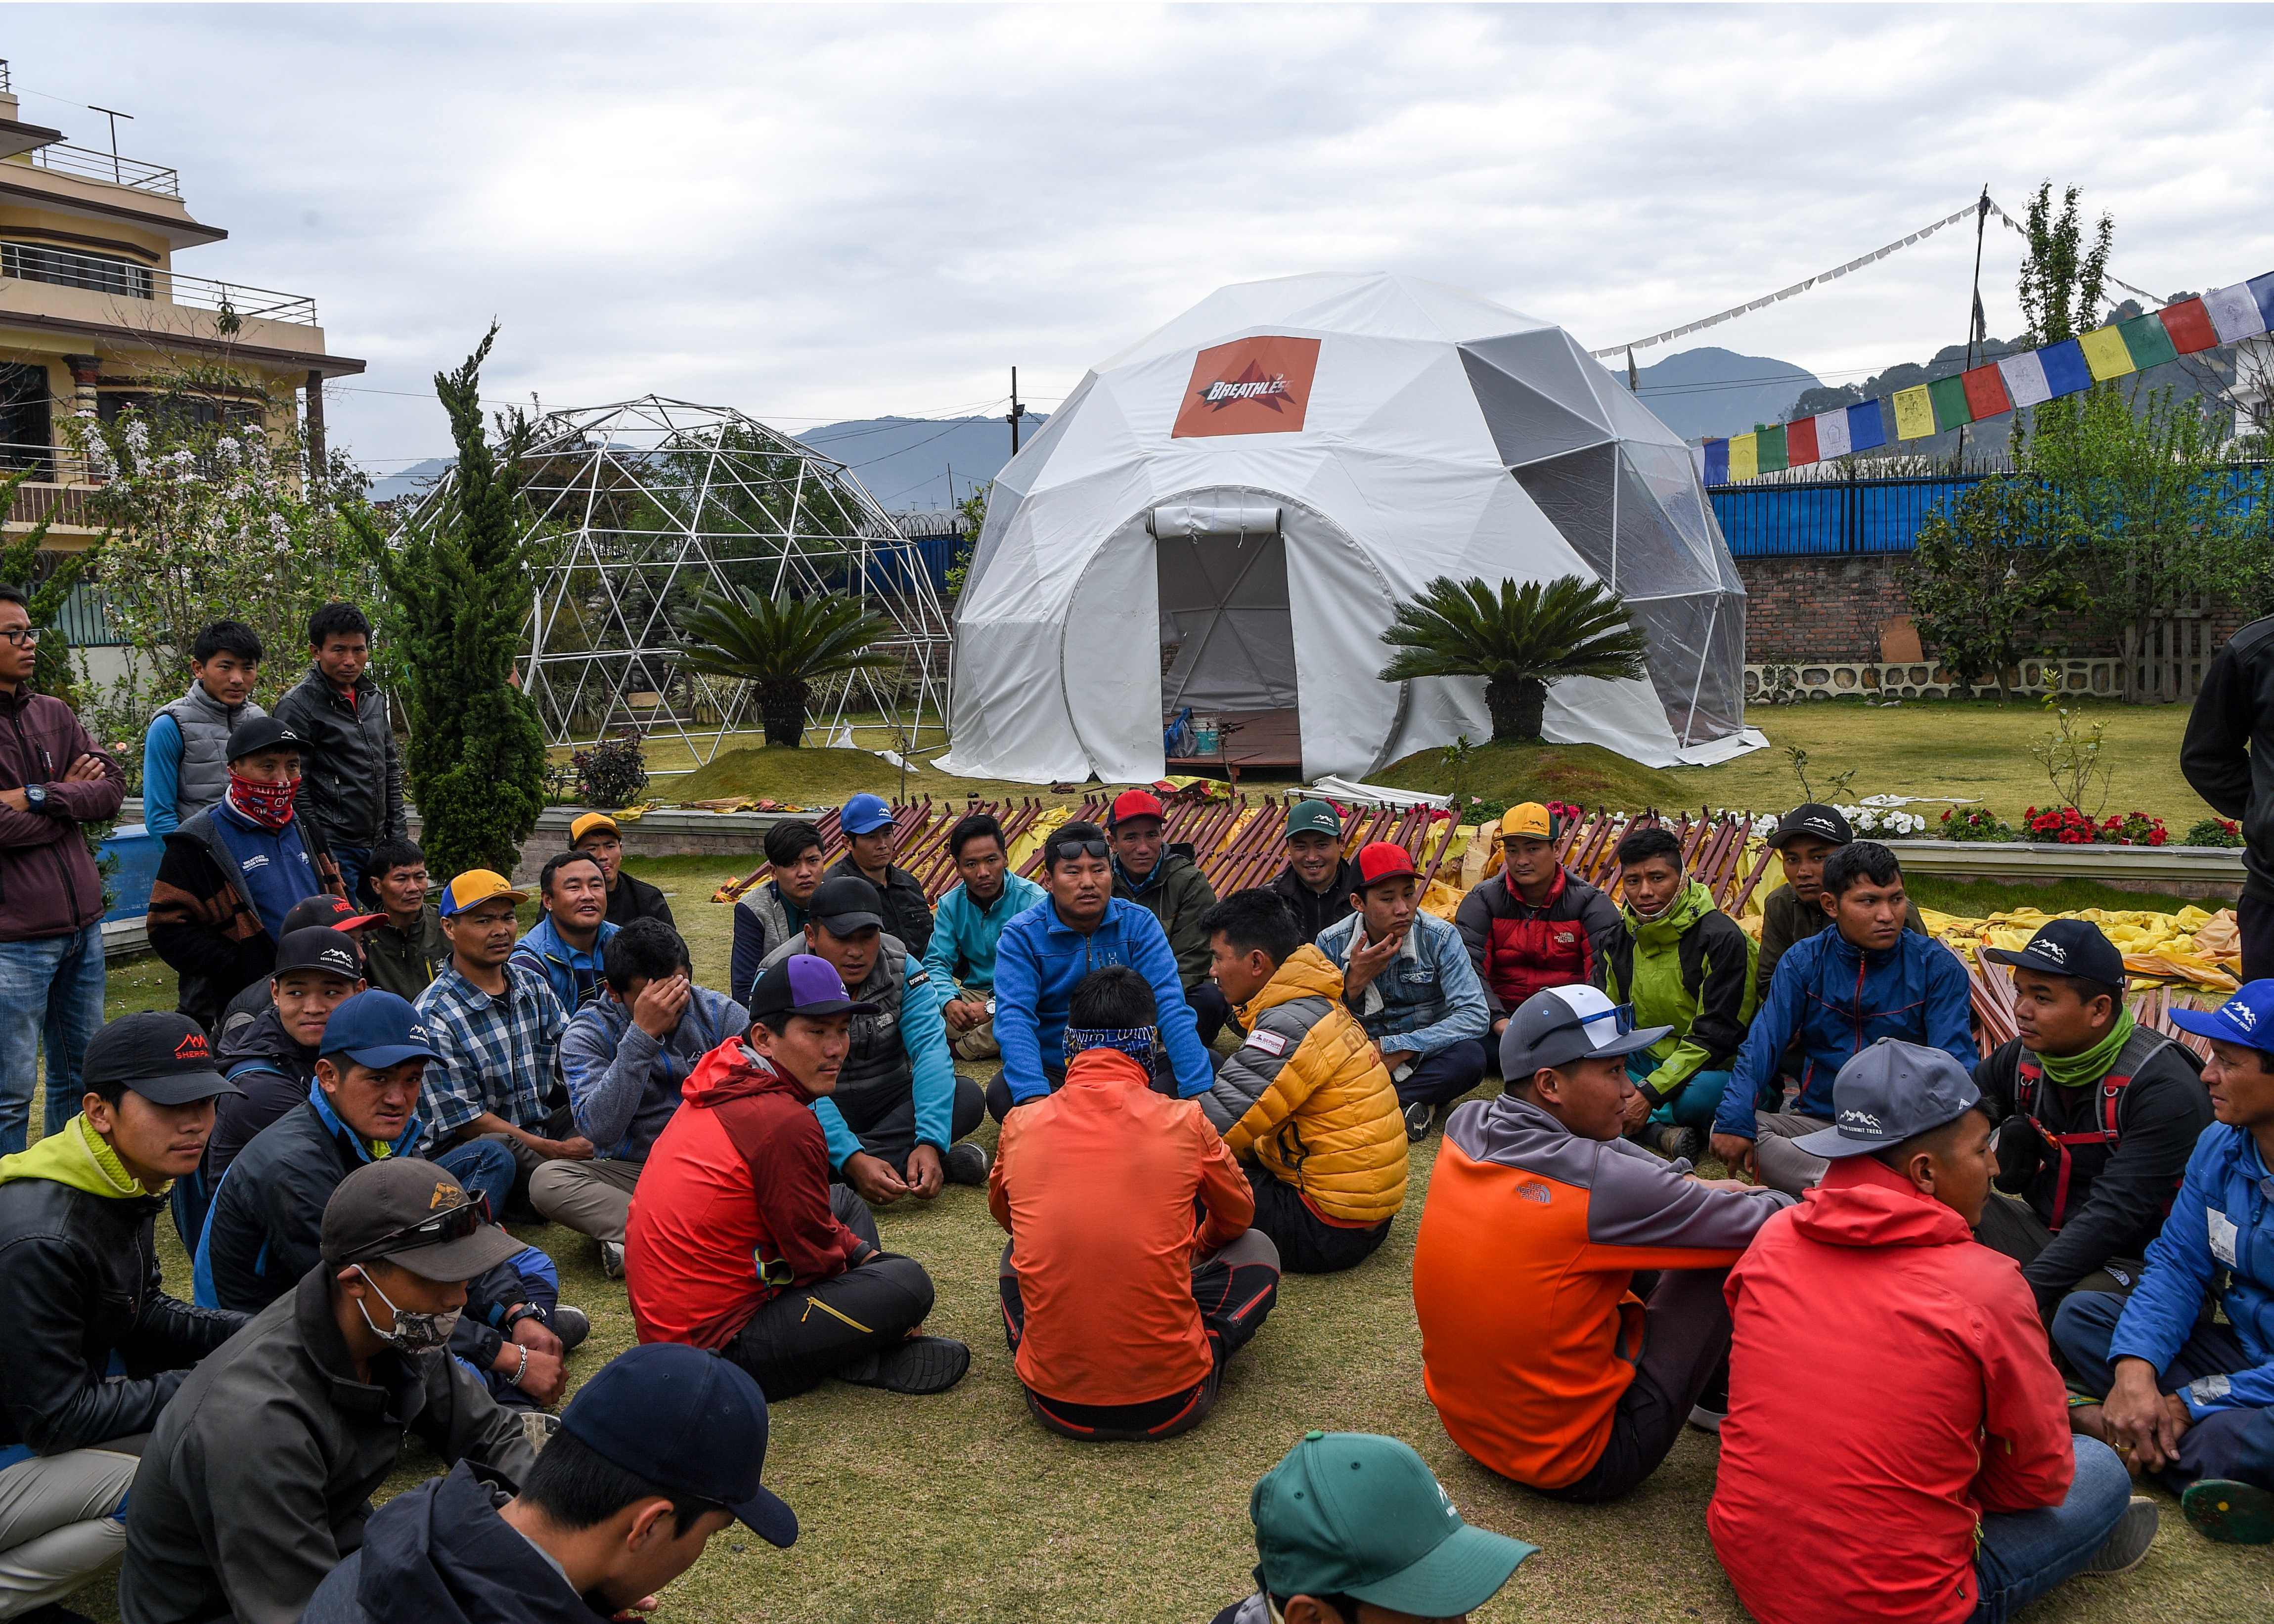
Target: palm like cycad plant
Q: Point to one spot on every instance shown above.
(1518, 638)
(782, 646)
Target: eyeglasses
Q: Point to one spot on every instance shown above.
(1078, 848)
(452, 1224)
(20, 634)
(1621, 1016)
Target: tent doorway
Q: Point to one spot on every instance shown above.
(1227, 632)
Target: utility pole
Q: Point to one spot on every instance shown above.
(114, 114)
(1976, 328)
(1018, 411)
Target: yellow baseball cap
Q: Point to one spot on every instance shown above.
(1527, 821)
(476, 886)
(593, 822)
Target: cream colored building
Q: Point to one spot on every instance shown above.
(93, 313)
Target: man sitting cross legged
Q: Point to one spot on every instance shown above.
(626, 1057)
(899, 1108)
(1950, 1490)
(969, 922)
(1535, 924)
(871, 841)
(1407, 976)
(1803, 838)
(260, 1476)
(2097, 1116)
(264, 1229)
(1835, 995)
(2189, 1399)
(767, 915)
(1044, 954)
(80, 1292)
(1544, 1363)
(1305, 1101)
(1685, 965)
(738, 1240)
(1165, 881)
(1120, 1316)
(565, 944)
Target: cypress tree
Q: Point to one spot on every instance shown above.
(459, 593)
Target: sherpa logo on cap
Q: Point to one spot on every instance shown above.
(192, 1048)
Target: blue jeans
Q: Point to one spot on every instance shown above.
(353, 859)
(1693, 1104)
(482, 1168)
(2226, 1443)
(2025, 1553)
(50, 996)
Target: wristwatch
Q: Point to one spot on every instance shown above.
(36, 800)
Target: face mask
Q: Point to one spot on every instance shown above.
(269, 805)
(413, 1333)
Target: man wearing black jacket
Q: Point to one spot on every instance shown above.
(2098, 1117)
(1318, 882)
(79, 1284)
(352, 793)
(2228, 758)
(629, 898)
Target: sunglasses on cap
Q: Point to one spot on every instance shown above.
(1080, 848)
(1621, 1016)
(454, 1223)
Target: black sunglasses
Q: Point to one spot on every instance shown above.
(1079, 848)
(452, 1224)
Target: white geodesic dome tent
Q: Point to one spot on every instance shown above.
(1224, 518)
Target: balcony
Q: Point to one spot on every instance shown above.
(65, 268)
(85, 163)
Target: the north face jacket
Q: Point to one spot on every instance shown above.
(440, 1554)
(1307, 1095)
(47, 883)
(1522, 1273)
(1427, 998)
(901, 1051)
(1836, 1000)
(1690, 968)
(1842, 1498)
(352, 774)
(1519, 950)
(1176, 893)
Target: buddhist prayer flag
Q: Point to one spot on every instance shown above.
(2262, 288)
(2106, 354)
(1771, 448)
(2234, 312)
(1717, 461)
(1985, 391)
(1744, 461)
(1948, 395)
(1914, 413)
(2147, 343)
(1867, 426)
(1832, 435)
(2065, 371)
(1800, 447)
(2025, 380)
(2190, 324)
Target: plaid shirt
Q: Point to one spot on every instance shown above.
(498, 1054)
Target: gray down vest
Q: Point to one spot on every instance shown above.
(205, 725)
(876, 1068)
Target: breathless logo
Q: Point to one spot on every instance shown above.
(1251, 385)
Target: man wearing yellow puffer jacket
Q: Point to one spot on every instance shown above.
(1305, 1102)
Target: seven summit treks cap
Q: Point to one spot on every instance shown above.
(1891, 1092)
(1562, 1024)
(1357, 1514)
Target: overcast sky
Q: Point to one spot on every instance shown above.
(834, 213)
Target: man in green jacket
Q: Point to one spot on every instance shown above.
(1165, 881)
(1681, 963)
(404, 952)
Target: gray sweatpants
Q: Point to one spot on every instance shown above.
(1782, 1166)
(58, 1521)
(592, 1197)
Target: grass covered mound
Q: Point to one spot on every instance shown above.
(800, 776)
(1586, 775)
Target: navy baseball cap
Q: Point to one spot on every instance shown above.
(863, 814)
(160, 1054)
(379, 1029)
(2247, 1018)
(2065, 947)
(801, 984)
(1892, 1092)
(688, 1422)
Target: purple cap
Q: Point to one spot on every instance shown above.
(803, 984)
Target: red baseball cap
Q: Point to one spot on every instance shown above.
(1384, 860)
(1134, 803)
(332, 913)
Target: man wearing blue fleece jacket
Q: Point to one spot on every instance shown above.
(2194, 1400)
(624, 1057)
(899, 1107)
(1044, 954)
(1836, 993)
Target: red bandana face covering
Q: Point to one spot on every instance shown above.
(269, 805)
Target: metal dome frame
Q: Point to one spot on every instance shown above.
(636, 504)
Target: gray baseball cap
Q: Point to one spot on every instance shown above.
(1892, 1092)
(1563, 1024)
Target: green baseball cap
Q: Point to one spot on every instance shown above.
(1314, 817)
(1353, 1513)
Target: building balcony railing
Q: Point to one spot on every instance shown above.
(89, 164)
(124, 278)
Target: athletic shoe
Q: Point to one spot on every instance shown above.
(539, 1427)
(966, 1163)
(612, 1259)
(2232, 1513)
(1419, 1118)
(1675, 1143)
(570, 1325)
(2127, 1545)
(920, 1365)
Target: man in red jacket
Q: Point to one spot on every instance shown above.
(1535, 924)
(737, 1241)
(1951, 1491)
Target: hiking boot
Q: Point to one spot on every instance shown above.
(1675, 1142)
(2232, 1513)
(920, 1365)
(964, 1164)
(570, 1325)
(539, 1427)
(2127, 1545)
(1420, 1116)
(612, 1259)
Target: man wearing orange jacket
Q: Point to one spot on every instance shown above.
(1543, 1363)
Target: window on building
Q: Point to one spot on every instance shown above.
(72, 268)
(24, 415)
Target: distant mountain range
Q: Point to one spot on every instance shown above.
(1718, 392)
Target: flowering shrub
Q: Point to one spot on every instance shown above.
(1975, 824)
(2134, 829)
(2214, 832)
(2062, 825)
(612, 773)
(1887, 822)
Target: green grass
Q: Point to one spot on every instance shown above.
(1587, 775)
(1980, 898)
(816, 778)
(959, 1508)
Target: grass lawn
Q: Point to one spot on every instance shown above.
(959, 1507)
